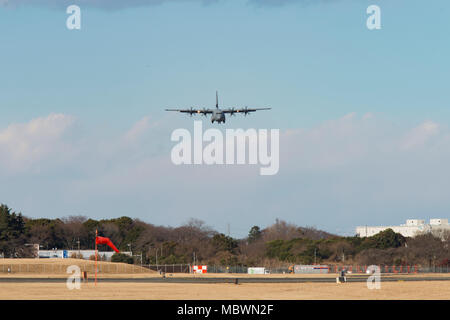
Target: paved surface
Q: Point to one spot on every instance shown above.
(361, 278)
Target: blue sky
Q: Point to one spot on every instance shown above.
(364, 114)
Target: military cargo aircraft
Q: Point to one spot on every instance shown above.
(218, 114)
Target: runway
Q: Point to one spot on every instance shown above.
(233, 280)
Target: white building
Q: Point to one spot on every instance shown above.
(86, 254)
(412, 228)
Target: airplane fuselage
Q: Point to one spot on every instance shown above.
(218, 115)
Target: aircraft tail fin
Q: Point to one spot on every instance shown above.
(217, 100)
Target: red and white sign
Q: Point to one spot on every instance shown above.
(200, 269)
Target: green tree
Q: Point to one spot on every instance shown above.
(12, 231)
(120, 257)
(387, 239)
(224, 243)
(254, 234)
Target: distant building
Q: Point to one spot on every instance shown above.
(412, 228)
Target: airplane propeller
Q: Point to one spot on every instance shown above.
(192, 111)
(232, 111)
(246, 111)
(204, 112)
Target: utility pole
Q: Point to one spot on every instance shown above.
(192, 269)
(315, 255)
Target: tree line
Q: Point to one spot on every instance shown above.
(281, 243)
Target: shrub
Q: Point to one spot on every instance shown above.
(99, 257)
(76, 255)
(120, 257)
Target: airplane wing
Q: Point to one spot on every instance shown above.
(192, 111)
(243, 110)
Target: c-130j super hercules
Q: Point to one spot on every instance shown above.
(218, 114)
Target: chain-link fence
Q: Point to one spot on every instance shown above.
(169, 268)
(391, 269)
(121, 268)
(226, 269)
(382, 268)
(402, 269)
(61, 268)
(435, 269)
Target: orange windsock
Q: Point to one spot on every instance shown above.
(107, 241)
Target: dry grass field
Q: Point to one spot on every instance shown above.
(252, 291)
(56, 268)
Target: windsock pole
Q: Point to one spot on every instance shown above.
(96, 234)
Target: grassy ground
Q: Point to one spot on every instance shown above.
(59, 267)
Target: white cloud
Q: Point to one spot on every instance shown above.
(137, 130)
(24, 145)
(420, 135)
(341, 173)
(332, 144)
(368, 115)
